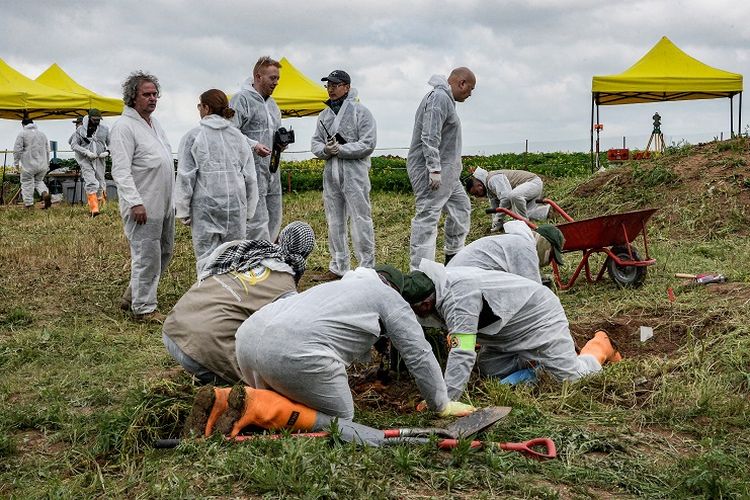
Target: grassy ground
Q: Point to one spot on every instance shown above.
(84, 391)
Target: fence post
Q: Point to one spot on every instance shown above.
(289, 181)
(525, 154)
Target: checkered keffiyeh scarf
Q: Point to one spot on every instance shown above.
(296, 242)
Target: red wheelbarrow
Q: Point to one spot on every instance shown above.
(609, 234)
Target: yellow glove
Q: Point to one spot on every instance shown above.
(456, 409)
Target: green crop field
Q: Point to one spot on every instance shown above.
(85, 392)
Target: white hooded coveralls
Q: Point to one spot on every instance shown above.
(31, 152)
(436, 147)
(513, 252)
(346, 181)
(516, 322)
(143, 169)
(300, 346)
(258, 119)
(87, 153)
(516, 190)
(216, 185)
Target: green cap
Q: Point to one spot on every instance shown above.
(417, 287)
(392, 275)
(95, 112)
(555, 238)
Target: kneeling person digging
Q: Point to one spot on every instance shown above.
(516, 321)
(300, 347)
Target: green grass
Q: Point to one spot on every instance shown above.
(84, 391)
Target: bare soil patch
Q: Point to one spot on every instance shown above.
(33, 441)
(389, 391)
(669, 333)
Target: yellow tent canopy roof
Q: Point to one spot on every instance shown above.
(23, 97)
(296, 94)
(665, 73)
(55, 77)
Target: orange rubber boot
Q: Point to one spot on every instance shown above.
(265, 409)
(602, 349)
(210, 404)
(102, 199)
(93, 204)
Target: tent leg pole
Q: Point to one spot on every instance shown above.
(739, 116)
(731, 117)
(2, 186)
(591, 132)
(597, 137)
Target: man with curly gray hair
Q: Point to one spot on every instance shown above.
(143, 169)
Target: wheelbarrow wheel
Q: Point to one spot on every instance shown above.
(625, 276)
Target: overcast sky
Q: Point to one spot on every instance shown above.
(534, 59)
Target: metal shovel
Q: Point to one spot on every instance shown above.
(353, 432)
(460, 429)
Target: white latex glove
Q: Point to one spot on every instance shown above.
(104, 154)
(186, 220)
(331, 148)
(456, 409)
(434, 181)
(91, 156)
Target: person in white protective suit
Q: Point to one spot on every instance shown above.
(31, 154)
(300, 346)
(516, 321)
(143, 169)
(216, 189)
(519, 251)
(239, 278)
(90, 143)
(434, 167)
(516, 190)
(345, 137)
(258, 117)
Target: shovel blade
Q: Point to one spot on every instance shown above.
(477, 421)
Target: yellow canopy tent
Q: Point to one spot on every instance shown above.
(296, 94)
(55, 77)
(665, 73)
(23, 97)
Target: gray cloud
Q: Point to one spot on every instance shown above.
(534, 59)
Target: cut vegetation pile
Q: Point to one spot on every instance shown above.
(85, 391)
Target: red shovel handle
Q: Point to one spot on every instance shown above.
(527, 448)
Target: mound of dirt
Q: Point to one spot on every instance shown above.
(711, 181)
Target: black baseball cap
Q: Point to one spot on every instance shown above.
(337, 76)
